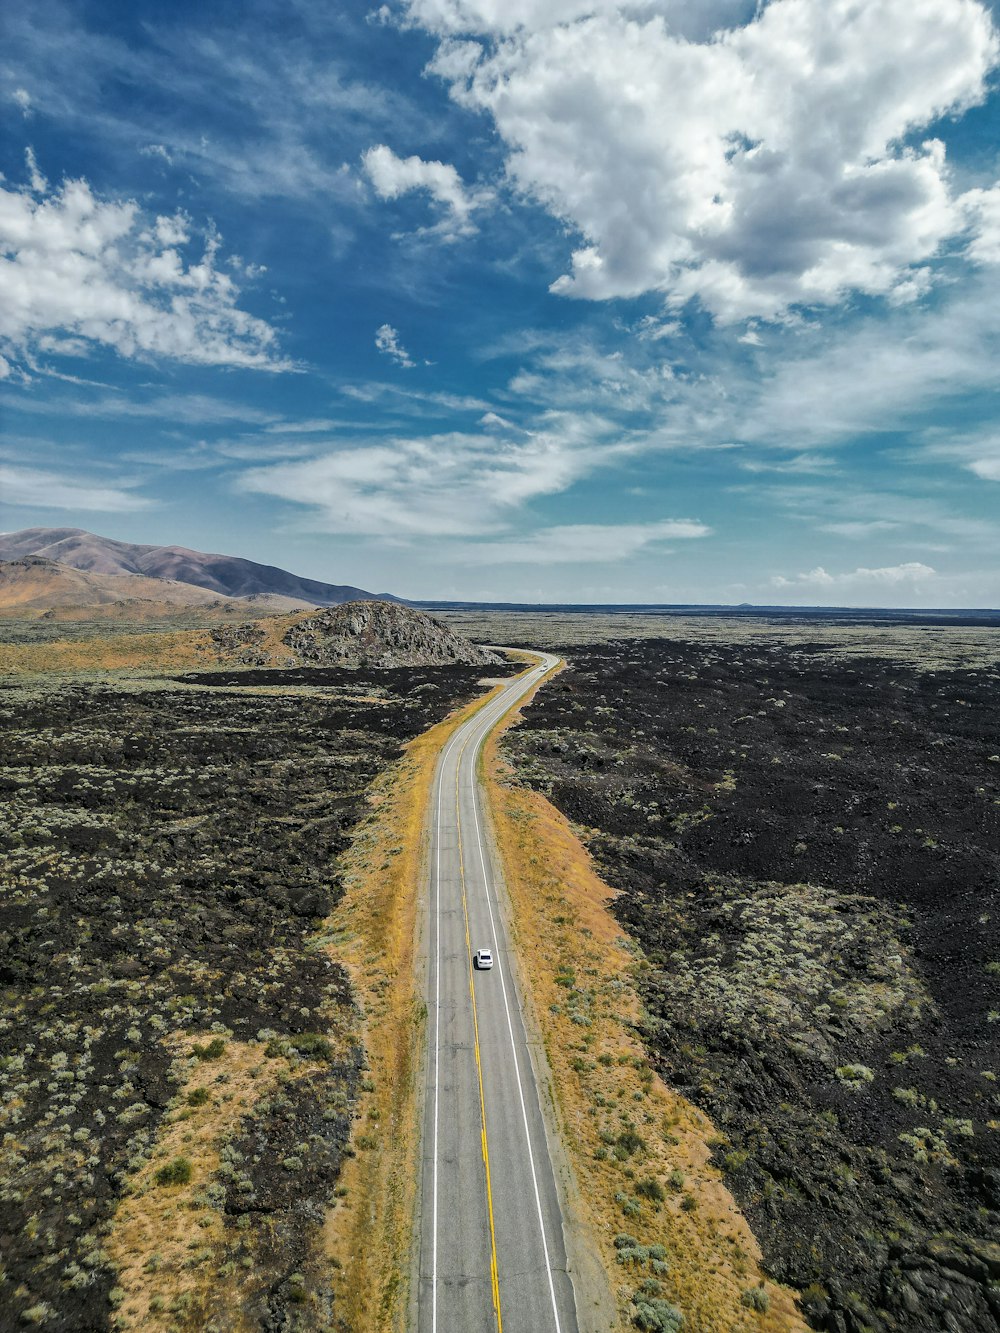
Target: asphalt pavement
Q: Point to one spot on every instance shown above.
(492, 1252)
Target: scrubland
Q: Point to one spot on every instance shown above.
(182, 1046)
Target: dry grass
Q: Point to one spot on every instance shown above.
(172, 649)
(373, 932)
(582, 971)
(166, 1242)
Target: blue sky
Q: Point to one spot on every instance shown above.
(536, 300)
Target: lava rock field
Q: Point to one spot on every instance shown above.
(166, 851)
(807, 849)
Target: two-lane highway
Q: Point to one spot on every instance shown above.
(492, 1253)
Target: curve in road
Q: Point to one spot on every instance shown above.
(492, 1250)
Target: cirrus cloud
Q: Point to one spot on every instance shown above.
(447, 484)
(39, 489)
(584, 543)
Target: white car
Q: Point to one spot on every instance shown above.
(482, 959)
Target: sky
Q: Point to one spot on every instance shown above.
(512, 300)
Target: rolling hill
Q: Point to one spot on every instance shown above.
(34, 586)
(227, 575)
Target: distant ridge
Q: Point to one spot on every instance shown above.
(226, 574)
(35, 587)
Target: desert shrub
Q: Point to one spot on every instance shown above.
(175, 1172)
(629, 1143)
(854, 1076)
(650, 1188)
(312, 1044)
(656, 1315)
(756, 1298)
(211, 1050)
(198, 1096)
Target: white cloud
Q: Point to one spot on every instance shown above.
(48, 490)
(393, 176)
(76, 265)
(507, 18)
(583, 543)
(977, 451)
(887, 576)
(417, 401)
(387, 342)
(157, 150)
(982, 208)
(651, 329)
(447, 485)
(769, 165)
(38, 182)
(23, 99)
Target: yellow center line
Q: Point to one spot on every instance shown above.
(494, 1270)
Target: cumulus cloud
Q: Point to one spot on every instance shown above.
(23, 99)
(393, 176)
(584, 543)
(76, 265)
(387, 342)
(774, 163)
(501, 18)
(887, 576)
(48, 490)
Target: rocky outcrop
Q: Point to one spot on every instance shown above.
(240, 644)
(382, 634)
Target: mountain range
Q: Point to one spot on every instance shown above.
(225, 575)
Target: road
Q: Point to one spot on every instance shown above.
(492, 1254)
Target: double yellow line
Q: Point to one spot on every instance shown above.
(494, 1271)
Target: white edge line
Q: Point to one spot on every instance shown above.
(437, 1063)
(510, 1025)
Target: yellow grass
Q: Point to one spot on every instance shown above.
(603, 1082)
(373, 932)
(166, 1244)
(173, 649)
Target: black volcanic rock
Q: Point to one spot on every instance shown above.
(806, 846)
(226, 574)
(383, 634)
